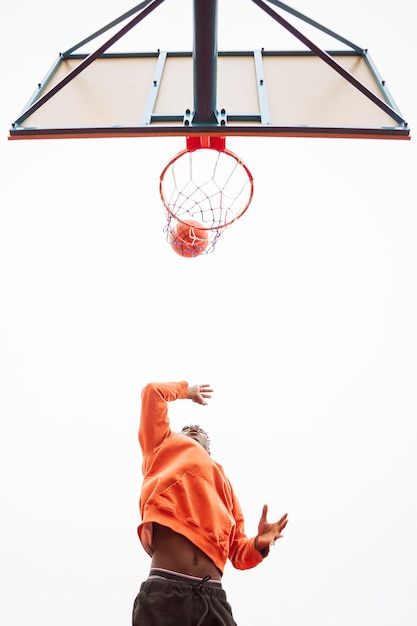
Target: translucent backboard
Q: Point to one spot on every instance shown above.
(308, 93)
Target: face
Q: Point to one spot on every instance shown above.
(198, 434)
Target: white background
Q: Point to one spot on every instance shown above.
(303, 320)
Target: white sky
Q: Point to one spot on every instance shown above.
(303, 320)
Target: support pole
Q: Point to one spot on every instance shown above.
(205, 62)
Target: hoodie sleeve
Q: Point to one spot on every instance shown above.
(154, 423)
(242, 552)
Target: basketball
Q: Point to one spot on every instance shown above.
(189, 239)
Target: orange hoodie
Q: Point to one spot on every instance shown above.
(184, 489)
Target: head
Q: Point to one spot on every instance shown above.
(198, 434)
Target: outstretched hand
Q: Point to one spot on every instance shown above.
(198, 393)
(269, 533)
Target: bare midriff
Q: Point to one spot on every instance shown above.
(175, 552)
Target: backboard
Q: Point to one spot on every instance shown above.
(308, 93)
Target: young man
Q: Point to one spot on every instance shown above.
(191, 519)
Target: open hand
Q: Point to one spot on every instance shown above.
(269, 533)
(198, 393)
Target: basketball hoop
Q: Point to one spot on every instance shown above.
(206, 188)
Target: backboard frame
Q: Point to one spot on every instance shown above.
(197, 117)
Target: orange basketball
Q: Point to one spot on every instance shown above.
(189, 239)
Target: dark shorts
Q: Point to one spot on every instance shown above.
(170, 599)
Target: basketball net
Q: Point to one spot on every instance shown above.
(208, 184)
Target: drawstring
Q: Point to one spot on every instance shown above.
(200, 585)
(198, 589)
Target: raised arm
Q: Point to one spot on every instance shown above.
(154, 423)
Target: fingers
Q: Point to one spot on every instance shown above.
(277, 536)
(198, 393)
(283, 521)
(274, 529)
(279, 527)
(205, 390)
